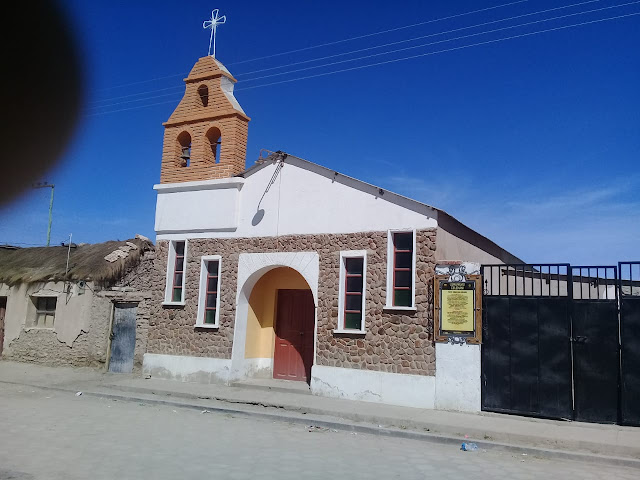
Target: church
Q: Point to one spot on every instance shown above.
(291, 271)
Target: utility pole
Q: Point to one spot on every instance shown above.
(52, 186)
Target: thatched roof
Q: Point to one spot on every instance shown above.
(86, 262)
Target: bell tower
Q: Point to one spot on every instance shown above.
(205, 137)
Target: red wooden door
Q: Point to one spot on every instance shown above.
(3, 309)
(293, 354)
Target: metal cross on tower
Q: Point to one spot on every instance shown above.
(213, 25)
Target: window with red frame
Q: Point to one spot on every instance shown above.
(178, 273)
(211, 297)
(353, 288)
(402, 269)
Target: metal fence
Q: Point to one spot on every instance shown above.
(562, 341)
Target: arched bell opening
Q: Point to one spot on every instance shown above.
(214, 137)
(184, 149)
(203, 93)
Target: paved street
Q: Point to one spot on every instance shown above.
(56, 435)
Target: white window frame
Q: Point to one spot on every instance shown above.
(341, 291)
(202, 295)
(171, 265)
(390, 263)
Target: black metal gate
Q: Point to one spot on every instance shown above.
(526, 351)
(596, 351)
(551, 341)
(630, 342)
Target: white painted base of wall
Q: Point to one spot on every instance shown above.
(458, 377)
(187, 369)
(456, 385)
(257, 368)
(370, 386)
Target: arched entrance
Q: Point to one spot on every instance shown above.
(280, 324)
(275, 327)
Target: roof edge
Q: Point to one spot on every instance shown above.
(458, 229)
(445, 221)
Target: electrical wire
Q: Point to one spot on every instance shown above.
(11, 244)
(380, 32)
(177, 88)
(400, 49)
(143, 81)
(413, 47)
(417, 38)
(442, 51)
(329, 43)
(394, 60)
(172, 94)
(181, 87)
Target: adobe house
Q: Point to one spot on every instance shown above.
(82, 305)
(290, 270)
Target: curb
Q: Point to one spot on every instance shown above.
(391, 424)
(364, 429)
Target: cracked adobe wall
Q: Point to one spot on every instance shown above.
(81, 327)
(72, 340)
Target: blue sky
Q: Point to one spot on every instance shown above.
(533, 141)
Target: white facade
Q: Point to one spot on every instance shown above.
(296, 201)
(207, 206)
(418, 391)
(458, 377)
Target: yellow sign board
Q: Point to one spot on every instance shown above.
(457, 307)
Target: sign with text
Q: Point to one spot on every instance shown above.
(457, 307)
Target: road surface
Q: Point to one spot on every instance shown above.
(51, 435)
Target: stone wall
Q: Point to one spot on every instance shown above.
(135, 287)
(395, 341)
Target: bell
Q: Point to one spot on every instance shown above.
(186, 155)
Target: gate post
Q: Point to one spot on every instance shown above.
(458, 374)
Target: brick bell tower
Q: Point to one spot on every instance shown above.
(205, 137)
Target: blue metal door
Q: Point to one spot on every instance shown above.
(123, 338)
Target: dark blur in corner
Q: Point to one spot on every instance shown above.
(42, 90)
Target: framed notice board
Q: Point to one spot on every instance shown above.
(458, 309)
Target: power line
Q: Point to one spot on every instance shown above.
(510, 27)
(380, 32)
(441, 51)
(394, 60)
(144, 81)
(331, 43)
(131, 108)
(418, 38)
(173, 94)
(10, 244)
(411, 47)
(338, 54)
(138, 94)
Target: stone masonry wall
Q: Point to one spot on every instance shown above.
(134, 287)
(395, 341)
